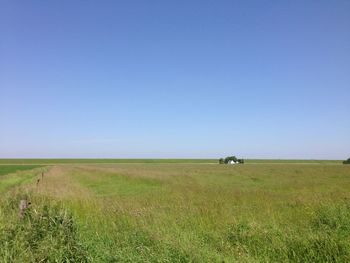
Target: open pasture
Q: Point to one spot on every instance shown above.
(155, 161)
(14, 175)
(8, 169)
(179, 212)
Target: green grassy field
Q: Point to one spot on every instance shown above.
(101, 161)
(111, 161)
(7, 169)
(12, 175)
(295, 161)
(179, 212)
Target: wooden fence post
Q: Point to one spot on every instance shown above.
(23, 205)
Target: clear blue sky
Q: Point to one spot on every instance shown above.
(175, 79)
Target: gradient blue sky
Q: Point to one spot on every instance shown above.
(175, 79)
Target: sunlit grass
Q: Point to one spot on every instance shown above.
(183, 213)
(13, 175)
(7, 169)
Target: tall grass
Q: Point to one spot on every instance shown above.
(46, 233)
(181, 213)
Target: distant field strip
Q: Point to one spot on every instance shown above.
(150, 161)
(286, 161)
(101, 161)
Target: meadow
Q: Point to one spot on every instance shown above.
(14, 175)
(111, 161)
(177, 212)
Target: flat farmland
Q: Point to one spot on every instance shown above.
(178, 212)
(155, 161)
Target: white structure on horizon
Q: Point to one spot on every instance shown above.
(232, 162)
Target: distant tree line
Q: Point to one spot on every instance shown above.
(230, 158)
(347, 161)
